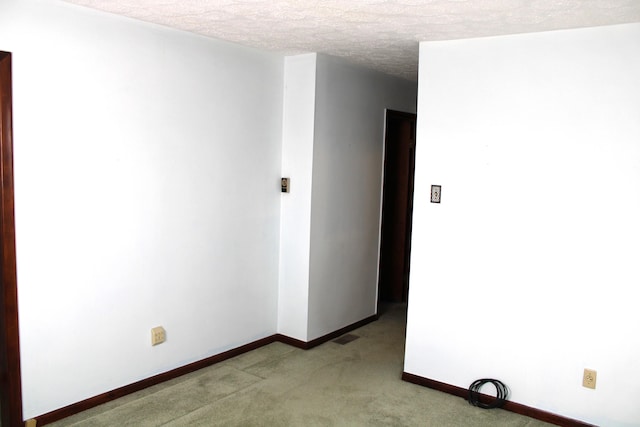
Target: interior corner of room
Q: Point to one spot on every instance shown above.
(147, 192)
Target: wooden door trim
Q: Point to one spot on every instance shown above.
(10, 379)
(388, 176)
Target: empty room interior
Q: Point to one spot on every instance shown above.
(148, 142)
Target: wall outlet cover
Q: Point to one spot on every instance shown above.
(589, 378)
(158, 335)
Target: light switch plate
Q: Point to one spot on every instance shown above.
(435, 193)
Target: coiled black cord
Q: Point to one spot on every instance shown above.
(501, 393)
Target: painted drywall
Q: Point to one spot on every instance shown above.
(147, 165)
(346, 191)
(295, 218)
(527, 270)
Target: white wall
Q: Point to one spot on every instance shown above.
(147, 165)
(295, 217)
(347, 180)
(527, 271)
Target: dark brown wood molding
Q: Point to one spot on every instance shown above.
(306, 345)
(335, 334)
(10, 379)
(509, 406)
(292, 341)
(75, 408)
(92, 402)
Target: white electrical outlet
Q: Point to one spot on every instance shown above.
(158, 335)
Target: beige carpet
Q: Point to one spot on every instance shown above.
(355, 384)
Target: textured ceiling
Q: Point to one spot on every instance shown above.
(380, 34)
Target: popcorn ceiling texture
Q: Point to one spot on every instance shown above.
(379, 34)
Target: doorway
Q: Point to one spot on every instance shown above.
(10, 381)
(397, 207)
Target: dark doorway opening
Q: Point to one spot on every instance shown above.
(397, 206)
(10, 381)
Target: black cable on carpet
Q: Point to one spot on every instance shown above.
(501, 393)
